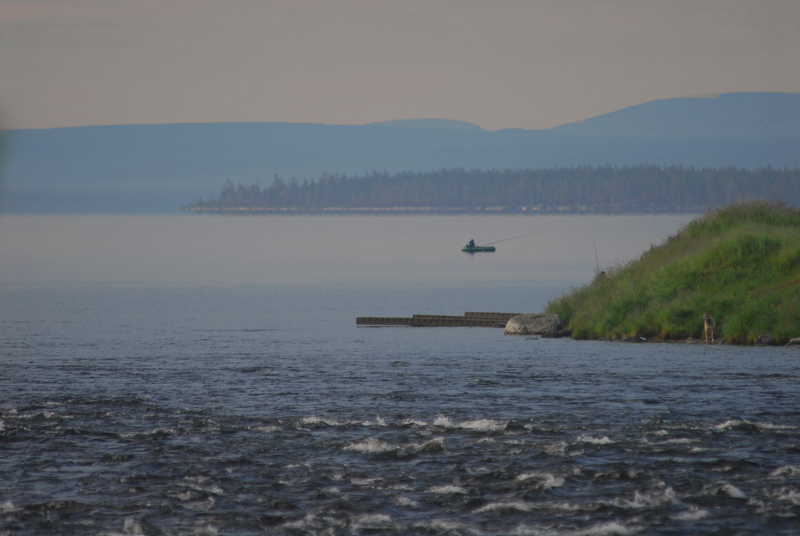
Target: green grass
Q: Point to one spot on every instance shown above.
(740, 263)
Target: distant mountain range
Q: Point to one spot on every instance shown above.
(157, 168)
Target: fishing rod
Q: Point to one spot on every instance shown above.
(507, 239)
(596, 258)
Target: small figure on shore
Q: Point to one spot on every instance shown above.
(471, 243)
(708, 325)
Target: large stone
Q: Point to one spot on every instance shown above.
(794, 342)
(766, 339)
(546, 325)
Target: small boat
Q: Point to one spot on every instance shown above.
(476, 249)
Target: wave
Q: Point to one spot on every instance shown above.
(8, 507)
(604, 440)
(730, 490)
(371, 446)
(744, 425)
(602, 529)
(447, 490)
(664, 497)
(786, 470)
(692, 514)
(372, 522)
(479, 425)
(546, 480)
(511, 506)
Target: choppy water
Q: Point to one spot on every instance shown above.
(151, 407)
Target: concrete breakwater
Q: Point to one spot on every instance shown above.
(469, 319)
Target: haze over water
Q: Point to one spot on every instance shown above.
(204, 375)
(363, 251)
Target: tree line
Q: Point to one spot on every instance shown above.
(643, 188)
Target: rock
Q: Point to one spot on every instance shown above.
(543, 324)
(794, 342)
(766, 339)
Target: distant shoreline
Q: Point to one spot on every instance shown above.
(524, 211)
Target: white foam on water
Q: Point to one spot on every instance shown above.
(787, 495)
(559, 447)
(7, 507)
(727, 424)
(731, 423)
(205, 506)
(443, 421)
(300, 524)
(483, 425)
(181, 496)
(432, 445)
(266, 429)
(372, 522)
(2, 425)
(603, 529)
(678, 441)
(446, 490)
(364, 482)
(131, 526)
(201, 483)
(606, 529)
(692, 514)
(595, 440)
(371, 446)
(439, 526)
(45, 414)
(546, 480)
(732, 491)
(314, 419)
(157, 431)
(402, 500)
(646, 500)
(661, 432)
(378, 422)
(511, 506)
(786, 470)
(413, 422)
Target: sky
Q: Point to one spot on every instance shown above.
(529, 64)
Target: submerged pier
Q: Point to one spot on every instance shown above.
(469, 319)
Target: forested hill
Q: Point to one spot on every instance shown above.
(158, 168)
(574, 189)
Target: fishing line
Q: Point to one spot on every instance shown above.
(507, 239)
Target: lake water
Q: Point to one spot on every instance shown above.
(204, 375)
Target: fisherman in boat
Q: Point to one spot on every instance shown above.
(471, 243)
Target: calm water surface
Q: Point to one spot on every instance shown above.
(202, 375)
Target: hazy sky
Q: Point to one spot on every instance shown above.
(497, 63)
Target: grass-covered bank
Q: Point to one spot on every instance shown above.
(740, 263)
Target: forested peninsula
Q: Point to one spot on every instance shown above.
(577, 189)
(740, 264)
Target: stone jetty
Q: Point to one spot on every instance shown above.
(469, 319)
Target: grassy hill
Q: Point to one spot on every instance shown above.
(740, 263)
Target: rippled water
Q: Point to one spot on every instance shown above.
(261, 408)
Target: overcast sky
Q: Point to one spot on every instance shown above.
(498, 63)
